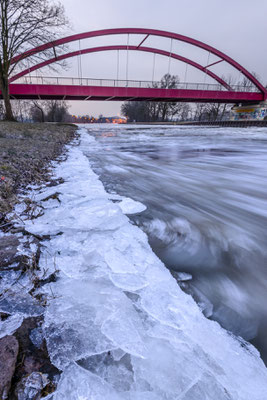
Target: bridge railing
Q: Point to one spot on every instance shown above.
(48, 80)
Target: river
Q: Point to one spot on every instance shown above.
(205, 189)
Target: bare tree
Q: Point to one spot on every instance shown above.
(154, 110)
(184, 112)
(57, 111)
(49, 111)
(37, 111)
(21, 110)
(216, 111)
(25, 24)
(210, 111)
(199, 111)
(166, 110)
(2, 110)
(246, 83)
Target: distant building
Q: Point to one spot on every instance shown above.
(112, 120)
(119, 120)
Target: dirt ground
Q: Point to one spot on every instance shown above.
(25, 152)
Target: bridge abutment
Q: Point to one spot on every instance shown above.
(253, 112)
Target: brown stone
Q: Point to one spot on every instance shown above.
(9, 348)
(31, 359)
(8, 251)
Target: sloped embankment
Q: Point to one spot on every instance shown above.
(26, 151)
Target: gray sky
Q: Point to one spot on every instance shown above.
(236, 27)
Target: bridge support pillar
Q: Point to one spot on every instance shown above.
(251, 112)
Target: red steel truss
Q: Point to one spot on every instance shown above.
(124, 93)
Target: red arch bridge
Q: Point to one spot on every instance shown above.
(25, 86)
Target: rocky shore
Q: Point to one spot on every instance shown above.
(26, 152)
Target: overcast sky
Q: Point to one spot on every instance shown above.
(236, 27)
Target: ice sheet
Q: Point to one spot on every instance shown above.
(118, 325)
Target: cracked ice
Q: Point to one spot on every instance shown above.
(118, 325)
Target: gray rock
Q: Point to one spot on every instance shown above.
(9, 348)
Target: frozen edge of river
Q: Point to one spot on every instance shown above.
(118, 325)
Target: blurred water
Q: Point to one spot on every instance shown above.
(206, 195)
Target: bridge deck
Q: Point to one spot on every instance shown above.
(77, 92)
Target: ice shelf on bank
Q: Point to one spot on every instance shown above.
(117, 324)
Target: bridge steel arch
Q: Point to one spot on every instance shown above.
(120, 47)
(147, 32)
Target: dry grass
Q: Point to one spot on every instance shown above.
(25, 152)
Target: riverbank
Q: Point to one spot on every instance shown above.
(26, 152)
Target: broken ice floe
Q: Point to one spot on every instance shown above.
(21, 303)
(10, 325)
(130, 206)
(30, 387)
(37, 337)
(182, 276)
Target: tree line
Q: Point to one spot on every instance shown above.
(38, 111)
(160, 111)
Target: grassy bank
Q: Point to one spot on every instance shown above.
(25, 152)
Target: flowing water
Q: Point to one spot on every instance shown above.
(205, 190)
